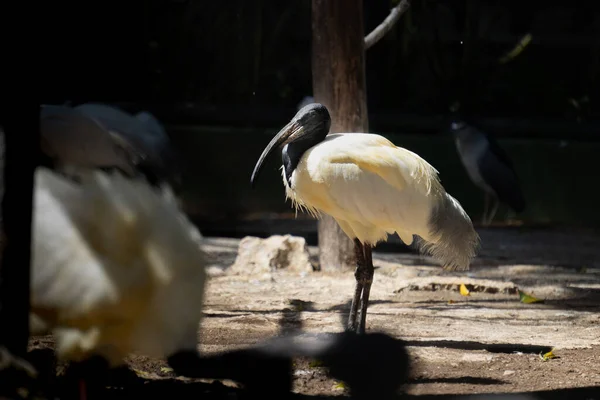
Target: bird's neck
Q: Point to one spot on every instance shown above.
(292, 153)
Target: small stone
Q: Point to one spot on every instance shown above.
(455, 365)
(214, 271)
(262, 256)
(508, 372)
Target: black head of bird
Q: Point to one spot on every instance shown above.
(309, 126)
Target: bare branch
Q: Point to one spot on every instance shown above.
(518, 49)
(387, 24)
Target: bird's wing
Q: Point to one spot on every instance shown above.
(499, 152)
(397, 166)
(371, 184)
(113, 255)
(86, 257)
(498, 172)
(501, 177)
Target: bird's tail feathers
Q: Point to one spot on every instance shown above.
(452, 238)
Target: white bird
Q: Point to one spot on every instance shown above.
(113, 254)
(372, 188)
(116, 269)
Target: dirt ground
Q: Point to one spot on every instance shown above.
(488, 342)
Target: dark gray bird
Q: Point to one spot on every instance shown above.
(135, 145)
(144, 132)
(489, 167)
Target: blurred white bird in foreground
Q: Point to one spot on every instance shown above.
(115, 269)
(372, 188)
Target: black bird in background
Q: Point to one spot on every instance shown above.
(489, 167)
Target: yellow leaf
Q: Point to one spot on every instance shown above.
(451, 302)
(527, 299)
(548, 356)
(315, 364)
(166, 370)
(463, 290)
(339, 385)
(140, 373)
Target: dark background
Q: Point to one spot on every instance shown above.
(225, 76)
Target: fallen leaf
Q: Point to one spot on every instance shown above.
(339, 385)
(315, 364)
(527, 299)
(451, 302)
(166, 370)
(548, 356)
(463, 290)
(141, 374)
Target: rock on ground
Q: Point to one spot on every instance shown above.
(260, 256)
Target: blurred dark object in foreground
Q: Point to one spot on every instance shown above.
(373, 366)
(20, 155)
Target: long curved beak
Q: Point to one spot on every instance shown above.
(284, 136)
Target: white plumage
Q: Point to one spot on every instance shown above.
(373, 188)
(116, 268)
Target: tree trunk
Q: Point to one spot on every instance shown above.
(338, 69)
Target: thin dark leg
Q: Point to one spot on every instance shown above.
(360, 261)
(486, 206)
(366, 277)
(493, 211)
(89, 376)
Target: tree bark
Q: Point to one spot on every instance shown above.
(338, 69)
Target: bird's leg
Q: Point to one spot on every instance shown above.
(90, 376)
(82, 389)
(493, 211)
(486, 205)
(366, 275)
(360, 261)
